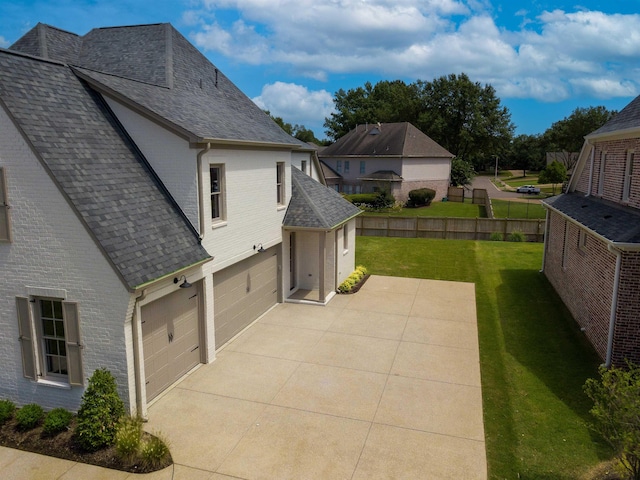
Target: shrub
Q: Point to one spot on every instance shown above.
(516, 236)
(100, 410)
(421, 197)
(383, 199)
(616, 403)
(56, 421)
(496, 237)
(29, 416)
(154, 452)
(352, 280)
(129, 438)
(362, 198)
(7, 407)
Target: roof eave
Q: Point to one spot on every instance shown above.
(171, 274)
(614, 135)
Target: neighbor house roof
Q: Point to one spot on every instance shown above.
(386, 140)
(315, 206)
(627, 119)
(382, 175)
(156, 71)
(611, 221)
(328, 172)
(106, 180)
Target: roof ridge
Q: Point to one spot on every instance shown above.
(40, 24)
(33, 57)
(312, 205)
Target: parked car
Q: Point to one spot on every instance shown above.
(528, 189)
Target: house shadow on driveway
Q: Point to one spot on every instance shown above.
(384, 383)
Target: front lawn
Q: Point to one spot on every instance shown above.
(534, 360)
(511, 209)
(438, 209)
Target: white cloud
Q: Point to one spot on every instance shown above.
(4, 43)
(295, 103)
(553, 55)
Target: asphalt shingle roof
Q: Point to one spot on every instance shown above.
(612, 221)
(313, 205)
(628, 117)
(387, 139)
(111, 187)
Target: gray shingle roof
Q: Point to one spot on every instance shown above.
(109, 184)
(612, 221)
(388, 139)
(628, 117)
(49, 42)
(156, 69)
(313, 205)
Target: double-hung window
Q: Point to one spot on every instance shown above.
(5, 230)
(280, 184)
(362, 167)
(216, 177)
(346, 166)
(603, 166)
(628, 175)
(49, 332)
(339, 166)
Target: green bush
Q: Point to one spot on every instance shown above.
(154, 452)
(129, 438)
(383, 199)
(352, 280)
(29, 416)
(421, 197)
(56, 421)
(100, 410)
(7, 407)
(516, 236)
(496, 237)
(362, 198)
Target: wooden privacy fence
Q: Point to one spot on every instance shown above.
(448, 228)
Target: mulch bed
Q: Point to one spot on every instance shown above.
(357, 286)
(64, 446)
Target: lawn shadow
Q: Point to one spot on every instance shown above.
(541, 334)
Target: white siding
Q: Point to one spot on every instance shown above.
(425, 169)
(168, 154)
(51, 251)
(346, 258)
(253, 216)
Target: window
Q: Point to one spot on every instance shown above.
(345, 239)
(5, 230)
(582, 241)
(565, 246)
(216, 177)
(628, 174)
(50, 340)
(280, 182)
(362, 167)
(603, 164)
(303, 166)
(346, 166)
(339, 166)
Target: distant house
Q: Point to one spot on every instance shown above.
(149, 212)
(393, 156)
(592, 242)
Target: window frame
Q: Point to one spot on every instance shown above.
(303, 166)
(338, 166)
(219, 195)
(281, 199)
(363, 167)
(628, 176)
(33, 341)
(603, 166)
(346, 166)
(5, 218)
(345, 239)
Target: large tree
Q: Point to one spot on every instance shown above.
(298, 131)
(527, 152)
(567, 135)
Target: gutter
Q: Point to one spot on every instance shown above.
(614, 304)
(201, 153)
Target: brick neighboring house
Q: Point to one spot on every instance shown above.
(592, 246)
(396, 156)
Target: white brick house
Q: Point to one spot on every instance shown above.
(131, 167)
(592, 242)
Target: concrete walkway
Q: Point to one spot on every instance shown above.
(381, 384)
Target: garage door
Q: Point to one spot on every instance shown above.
(170, 338)
(243, 292)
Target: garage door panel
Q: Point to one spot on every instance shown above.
(243, 292)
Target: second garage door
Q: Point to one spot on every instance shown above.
(243, 292)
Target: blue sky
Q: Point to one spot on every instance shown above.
(544, 58)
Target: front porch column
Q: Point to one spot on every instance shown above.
(321, 270)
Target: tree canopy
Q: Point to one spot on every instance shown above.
(553, 173)
(298, 131)
(464, 117)
(461, 172)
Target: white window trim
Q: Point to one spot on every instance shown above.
(221, 195)
(582, 241)
(345, 239)
(628, 176)
(603, 166)
(281, 192)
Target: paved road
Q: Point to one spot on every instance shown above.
(484, 181)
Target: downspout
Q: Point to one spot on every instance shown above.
(137, 361)
(593, 154)
(201, 153)
(614, 304)
(546, 239)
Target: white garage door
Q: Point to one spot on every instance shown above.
(170, 338)
(243, 292)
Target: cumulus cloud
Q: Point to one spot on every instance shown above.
(4, 43)
(551, 55)
(295, 103)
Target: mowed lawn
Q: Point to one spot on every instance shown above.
(534, 360)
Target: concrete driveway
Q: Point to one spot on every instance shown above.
(381, 384)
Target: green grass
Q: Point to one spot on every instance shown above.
(507, 209)
(438, 209)
(533, 358)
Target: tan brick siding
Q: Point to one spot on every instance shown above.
(627, 332)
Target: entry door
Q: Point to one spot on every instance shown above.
(170, 338)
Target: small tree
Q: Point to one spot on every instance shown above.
(616, 409)
(553, 173)
(461, 172)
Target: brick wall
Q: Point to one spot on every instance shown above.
(401, 190)
(627, 330)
